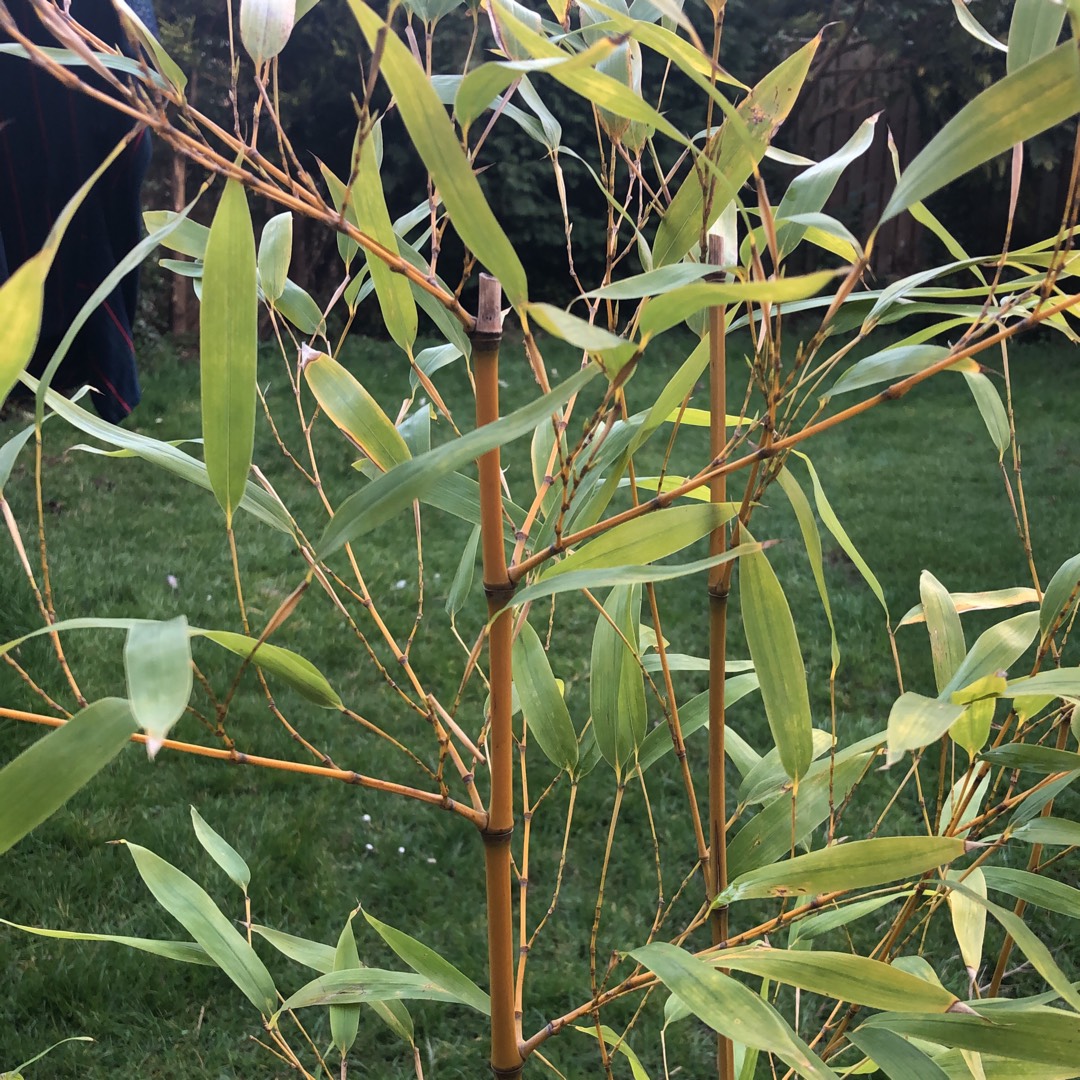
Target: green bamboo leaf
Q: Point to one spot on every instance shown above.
(189, 238)
(1040, 759)
(430, 965)
(187, 952)
(312, 954)
(843, 976)
(972, 729)
(990, 409)
(228, 346)
(394, 491)
(990, 600)
(1058, 600)
(735, 154)
(646, 539)
(167, 67)
(365, 986)
(1033, 31)
(968, 921)
(815, 926)
(976, 28)
(1026, 941)
(894, 363)
(345, 1019)
(9, 454)
(768, 777)
(730, 1008)
(433, 136)
(947, 645)
(1034, 804)
(616, 683)
(463, 577)
(157, 660)
(171, 458)
(861, 864)
(69, 58)
(1043, 1035)
(265, 26)
(369, 204)
(354, 411)
(968, 793)
(767, 837)
(995, 650)
(812, 542)
(1035, 889)
(653, 282)
(897, 1058)
(275, 254)
(299, 308)
(774, 648)
(1050, 831)
(810, 190)
(1038, 96)
(916, 721)
(614, 1040)
(839, 533)
(222, 852)
(299, 673)
(672, 308)
(45, 775)
(693, 716)
(611, 350)
(1059, 682)
(542, 703)
(190, 905)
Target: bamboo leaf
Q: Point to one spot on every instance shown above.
(157, 660)
(1035, 889)
(187, 952)
(1059, 598)
(735, 154)
(767, 837)
(463, 577)
(542, 703)
(916, 721)
(768, 778)
(190, 905)
(1043, 1035)
(395, 490)
(653, 282)
(990, 600)
(9, 454)
(897, 1058)
(222, 852)
(433, 136)
(663, 312)
(1029, 944)
(46, 774)
(345, 1019)
(369, 204)
(730, 1008)
(299, 673)
(815, 926)
(646, 539)
(265, 26)
(614, 1040)
(1040, 759)
(312, 954)
(859, 865)
(228, 347)
(894, 363)
(843, 976)
(365, 986)
(164, 63)
(947, 645)
(968, 921)
(1059, 682)
(1033, 31)
(693, 716)
(354, 411)
(1039, 96)
(430, 965)
(974, 27)
(1050, 831)
(616, 683)
(275, 254)
(990, 409)
(774, 648)
(995, 650)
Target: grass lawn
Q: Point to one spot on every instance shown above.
(916, 482)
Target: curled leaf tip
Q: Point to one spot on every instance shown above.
(959, 1006)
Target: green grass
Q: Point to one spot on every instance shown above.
(916, 483)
